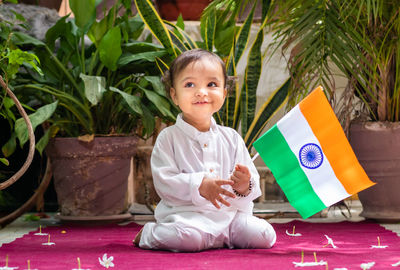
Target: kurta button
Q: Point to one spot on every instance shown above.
(205, 145)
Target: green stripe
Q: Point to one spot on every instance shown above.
(285, 167)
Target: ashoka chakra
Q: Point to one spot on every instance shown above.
(311, 156)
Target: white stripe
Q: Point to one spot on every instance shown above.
(297, 132)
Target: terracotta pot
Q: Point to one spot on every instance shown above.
(377, 147)
(145, 192)
(190, 10)
(91, 179)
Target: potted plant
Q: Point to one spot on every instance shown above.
(12, 169)
(102, 84)
(361, 42)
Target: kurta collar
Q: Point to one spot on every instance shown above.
(191, 131)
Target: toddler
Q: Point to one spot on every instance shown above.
(202, 171)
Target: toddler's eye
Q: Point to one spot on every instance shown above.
(212, 84)
(189, 84)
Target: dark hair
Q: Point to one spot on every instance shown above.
(187, 57)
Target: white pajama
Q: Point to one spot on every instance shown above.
(185, 221)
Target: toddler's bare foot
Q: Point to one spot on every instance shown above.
(137, 238)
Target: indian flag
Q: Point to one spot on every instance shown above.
(311, 158)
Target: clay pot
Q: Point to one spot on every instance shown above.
(377, 147)
(190, 10)
(91, 178)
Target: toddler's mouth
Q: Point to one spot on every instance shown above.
(201, 102)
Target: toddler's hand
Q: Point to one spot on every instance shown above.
(211, 189)
(241, 178)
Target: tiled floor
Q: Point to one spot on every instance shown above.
(20, 227)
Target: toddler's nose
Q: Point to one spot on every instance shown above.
(201, 92)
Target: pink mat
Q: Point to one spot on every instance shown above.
(353, 242)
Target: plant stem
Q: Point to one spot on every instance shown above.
(61, 66)
(83, 53)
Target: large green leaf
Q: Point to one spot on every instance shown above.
(147, 120)
(98, 30)
(148, 56)
(94, 87)
(244, 35)
(19, 38)
(276, 101)
(133, 102)
(160, 102)
(251, 79)
(155, 24)
(56, 31)
(84, 13)
(42, 114)
(110, 48)
(157, 84)
(186, 38)
(211, 22)
(179, 44)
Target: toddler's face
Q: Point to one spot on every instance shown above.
(199, 92)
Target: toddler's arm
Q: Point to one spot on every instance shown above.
(241, 178)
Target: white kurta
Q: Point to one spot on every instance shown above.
(181, 158)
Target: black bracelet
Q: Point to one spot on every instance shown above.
(241, 195)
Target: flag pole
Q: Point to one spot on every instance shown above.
(255, 156)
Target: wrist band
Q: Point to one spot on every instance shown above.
(242, 195)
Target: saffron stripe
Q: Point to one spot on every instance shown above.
(284, 165)
(318, 112)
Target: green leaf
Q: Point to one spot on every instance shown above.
(148, 56)
(147, 120)
(162, 66)
(154, 22)
(160, 102)
(244, 35)
(94, 87)
(97, 31)
(18, 16)
(8, 103)
(19, 38)
(31, 217)
(180, 23)
(55, 32)
(133, 102)
(110, 48)
(178, 42)
(157, 84)
(252, 77)
(50, 133)
(135, 26)
(17, 57)
(9, 147)
(4, 161)
(84, 13)
(184, 37)
(266, 111)
(36, 118)
(223, 40)
(210, 30)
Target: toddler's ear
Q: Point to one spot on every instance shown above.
(172, 93)
(225, 92)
